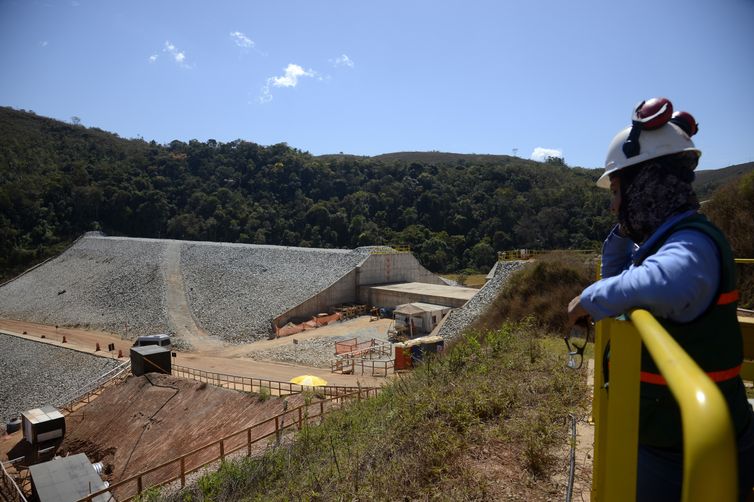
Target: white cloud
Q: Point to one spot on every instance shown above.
(342, 60)
(289, 78)
(541, 154)
(43, 43)
(178, 56)
(242, 40)
(153, 58)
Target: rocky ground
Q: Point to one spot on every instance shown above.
(236, 290)
(317, 352)
(112, 284)
(47, 374)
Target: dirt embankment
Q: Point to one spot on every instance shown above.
(151, 419)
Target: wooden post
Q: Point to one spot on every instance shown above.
(277, 429)
(138, 485)
(248, 440)
(321, 411)
(299, 418)
(222, 449)
(183, 472)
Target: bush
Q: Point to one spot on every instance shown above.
(731, 209)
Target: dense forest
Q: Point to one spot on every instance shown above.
(58, 180)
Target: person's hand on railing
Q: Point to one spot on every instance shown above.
(576, 311)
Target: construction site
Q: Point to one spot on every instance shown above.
(243, 323)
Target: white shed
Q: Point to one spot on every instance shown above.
(419, 318)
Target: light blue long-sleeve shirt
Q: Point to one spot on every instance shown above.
(678, 282)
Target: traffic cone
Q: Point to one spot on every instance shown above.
(97, 349)
(64, 340)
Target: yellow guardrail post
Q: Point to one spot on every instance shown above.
(621, 437)
(710, 464)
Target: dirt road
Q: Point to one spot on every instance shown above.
(213, 357)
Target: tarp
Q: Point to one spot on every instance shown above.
(408, 309)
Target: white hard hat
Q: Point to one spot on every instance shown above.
(667, 139)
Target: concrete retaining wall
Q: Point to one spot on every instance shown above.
(343, 291)
(375, 269)
(381, 298)
(399, 267)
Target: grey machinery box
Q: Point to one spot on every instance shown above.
(150, 359)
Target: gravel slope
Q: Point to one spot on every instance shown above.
(235, 290)
(45, 373)
(460, 319)
(99, 282)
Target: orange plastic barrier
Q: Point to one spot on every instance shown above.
(315, 322)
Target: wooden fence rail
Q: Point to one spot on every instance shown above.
(251, 384)
(9, 489)
(373, 367)
(84, 394)
(180, 467)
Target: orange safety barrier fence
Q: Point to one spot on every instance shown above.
(315, 322)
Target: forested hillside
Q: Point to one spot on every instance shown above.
(59, 180)
(455, 211)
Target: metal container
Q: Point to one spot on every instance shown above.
(150, 359)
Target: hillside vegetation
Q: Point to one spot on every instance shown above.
(486, 421)
(732, 209)
(455, 211)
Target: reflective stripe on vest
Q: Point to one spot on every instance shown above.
(729, 297)
(715, 376)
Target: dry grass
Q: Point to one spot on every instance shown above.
(468, 280)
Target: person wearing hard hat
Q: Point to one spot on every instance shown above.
(664, 256)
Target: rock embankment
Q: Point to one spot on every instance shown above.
(34, 374)
(236, 290)
(108, 283)
(461, 319)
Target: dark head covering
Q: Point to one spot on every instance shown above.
(653, 191)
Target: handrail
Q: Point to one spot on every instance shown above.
(300, 417)
(244, 383)
(709, 469)
(67, 402)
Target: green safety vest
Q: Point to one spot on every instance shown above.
(713, 340)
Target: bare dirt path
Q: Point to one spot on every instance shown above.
(179, 314)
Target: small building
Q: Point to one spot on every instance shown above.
(414, 319)
(42, 424)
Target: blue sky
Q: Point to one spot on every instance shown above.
(383, 76)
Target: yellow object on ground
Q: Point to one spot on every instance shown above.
(309, 380)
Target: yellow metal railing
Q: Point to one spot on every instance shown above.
(710, 466)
